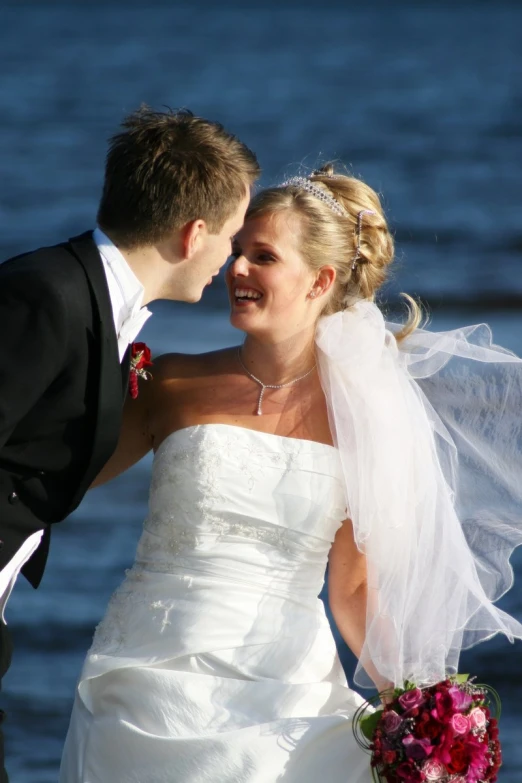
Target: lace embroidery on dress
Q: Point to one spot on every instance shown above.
(176, 540)
(111, 634)
(180, 466)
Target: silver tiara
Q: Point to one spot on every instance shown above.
(308, 185)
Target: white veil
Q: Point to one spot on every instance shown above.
(429, 432)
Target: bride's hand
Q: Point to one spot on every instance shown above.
(386, 694)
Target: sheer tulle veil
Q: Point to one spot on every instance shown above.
(429, 431)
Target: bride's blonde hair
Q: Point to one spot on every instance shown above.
(360, 257)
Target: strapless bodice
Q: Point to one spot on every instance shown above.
(238, 532)
(228, 497)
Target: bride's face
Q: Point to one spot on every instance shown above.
(268, 281)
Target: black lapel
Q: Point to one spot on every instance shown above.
(108, 419)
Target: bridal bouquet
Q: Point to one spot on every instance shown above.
(440, 734)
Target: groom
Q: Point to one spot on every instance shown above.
(175, 192)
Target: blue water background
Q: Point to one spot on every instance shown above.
(424, 103)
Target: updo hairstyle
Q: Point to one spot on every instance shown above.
(331, 239)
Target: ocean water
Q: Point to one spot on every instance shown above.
(424, 103)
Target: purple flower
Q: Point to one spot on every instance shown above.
(411, 699)
(461, 700)
(416, 749)
(391, 722)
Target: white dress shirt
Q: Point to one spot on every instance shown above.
(125, 290)
(126, 295)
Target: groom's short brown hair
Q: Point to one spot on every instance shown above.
(165, 169)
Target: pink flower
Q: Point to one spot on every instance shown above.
(477, 718)
(475, 773)
(460, 724)
(461, 700)
(391, 722)
(416, 749)
(443, 706)
(434, 770)
(409, 700)
(442, 750)
(478, 759)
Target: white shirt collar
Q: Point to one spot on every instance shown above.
(130, 287)
(125, 290)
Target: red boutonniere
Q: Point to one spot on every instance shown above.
(140, 358)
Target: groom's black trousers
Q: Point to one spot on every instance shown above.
(6, 648)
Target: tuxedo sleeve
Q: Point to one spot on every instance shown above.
(34, 339)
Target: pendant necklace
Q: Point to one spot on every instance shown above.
(269, 385)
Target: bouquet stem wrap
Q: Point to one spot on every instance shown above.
(429, 432)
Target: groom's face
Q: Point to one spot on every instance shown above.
(212, 253)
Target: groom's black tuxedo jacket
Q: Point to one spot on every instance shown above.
(61, 389)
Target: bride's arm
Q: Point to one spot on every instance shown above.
(347, 594)
(140, 419)
(159, 409)
(347, 588)
(135, 439)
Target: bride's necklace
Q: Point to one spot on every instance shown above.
(269, 385)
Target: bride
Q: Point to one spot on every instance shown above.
(215, 660)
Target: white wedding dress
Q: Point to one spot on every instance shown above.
(215, 662)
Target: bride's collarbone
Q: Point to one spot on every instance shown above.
(225, 398)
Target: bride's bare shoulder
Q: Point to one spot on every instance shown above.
(179, 366)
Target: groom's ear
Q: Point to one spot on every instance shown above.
(192, 237)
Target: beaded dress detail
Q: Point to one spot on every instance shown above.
(215, 660)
